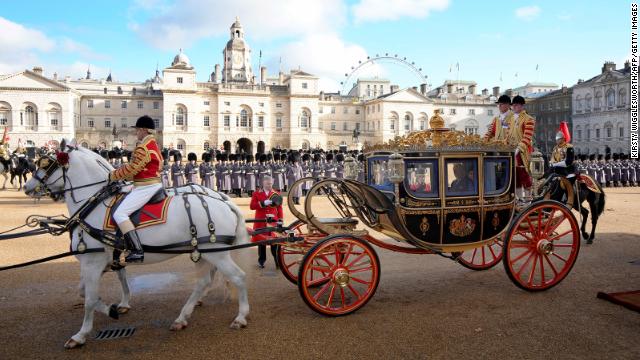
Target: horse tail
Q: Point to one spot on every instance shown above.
(242, 236)
(600, 200)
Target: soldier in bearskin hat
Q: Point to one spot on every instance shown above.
(340, 166)
(177, 170)
(164, 174)
(225, 173)
(330, 167)
(294, 173)
(250, 175)
(236, 175)
(191, 169)
(264, 168)
(306, 172)
(206, 171)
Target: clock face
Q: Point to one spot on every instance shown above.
(237, 59)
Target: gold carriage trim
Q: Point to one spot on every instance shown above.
(462, 226)
(440, 138)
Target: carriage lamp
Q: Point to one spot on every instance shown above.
(350, 168)
(396, 168)
(536, 166)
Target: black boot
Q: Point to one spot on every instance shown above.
(132, 242)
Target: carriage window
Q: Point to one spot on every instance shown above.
(462, 177)
(421, 178)
(496, 175)
(378, 173)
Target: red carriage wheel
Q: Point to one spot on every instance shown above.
(541, 246)
(350, 271)
(484, 257)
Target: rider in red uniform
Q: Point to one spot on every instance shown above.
(265, 201)
(144, 170)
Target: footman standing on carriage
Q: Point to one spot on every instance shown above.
(143, 169)
(267, 203)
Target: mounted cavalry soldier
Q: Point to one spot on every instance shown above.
(144, 170)
(563, 154)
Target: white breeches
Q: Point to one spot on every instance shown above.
(136, 199)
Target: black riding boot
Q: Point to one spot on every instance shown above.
(132, 242)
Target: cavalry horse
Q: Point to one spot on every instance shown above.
(19, 167)
(557, 187)
(5, 168)
(77, 175)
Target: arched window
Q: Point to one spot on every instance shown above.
(105, 90)
(611, 98)
(587, 102)
(304, 119)
(597, 101)
(407, 122)
(578, 102)
(134, 91)
(85, 145)
(180, 116)
(119, 90)
(5, 113)
(608, 130)
(30, 117)
(622, 97)
(244, 118)
(393, 121)
(205, 147)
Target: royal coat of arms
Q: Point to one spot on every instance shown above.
(462, 226)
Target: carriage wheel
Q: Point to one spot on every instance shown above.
(541, 246)
(350, 271)
(483, 258)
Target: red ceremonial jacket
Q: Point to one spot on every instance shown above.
(257, 204)
(144, 166)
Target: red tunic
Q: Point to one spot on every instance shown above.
(144, 166)
(257, 204)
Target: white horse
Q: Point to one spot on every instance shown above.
(86, 173)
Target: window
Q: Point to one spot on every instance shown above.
(261, 121)
(345, 126)
(621, 132)
(227, 103)
(622, 98)
(180, 146)
(471, 130)
(496, 172)
(333, 109)
(261, 104)
(278, 105)
(587, 102)
(156, 105)
(304, 120)
(3, 118)
(244, 118)
(378, 108)
(123, 104)
(407, 122)
(107, 123)
(461, 177)
(54, 119)
(320, 125)
(90, 123)
(611, 98)
(205, 146)
(90, 104)
(452, 111)
(392, 125)
(357, 111)
(140, 104)
(320, 110)
(597, 134)
(156, 122)
(597, 100)
(358, 126)
(278, 122)
(179, 80)
(134, 91)
(119, 90)
(205, 121)
(421, 178)
(107, 104)
(579, 134)
(333, 126)
(179, 117)
(608, 132)
(304, 85)
(206, 103)
(105, 90)
(226, 121)
(472, 111)
(345, 110)
(490, 112)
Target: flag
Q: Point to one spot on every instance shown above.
(450, 67)
(260, 53)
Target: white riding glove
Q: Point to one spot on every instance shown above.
(267, 202)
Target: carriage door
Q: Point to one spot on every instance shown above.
(462, 210)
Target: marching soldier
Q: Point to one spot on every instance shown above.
(264, 169)
(201, 167)
(206, 171)
(236, 175)
(165, 168)
(306, 172)
(225, 173)
(330, 167)
(218, 171)
(250, 175)
(144, 171)
(317, 170)
(277, 171)
(294, 173)
(177, 170)
(340, 166)
(191, 169)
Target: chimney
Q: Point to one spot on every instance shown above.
(321, 95)
(449, 88)
(496, 91)
(627, 65)
(415, 88)
(280, 78)
(216, 73)
(485, 92)
(394, 88)
(55, 76)
(509, 92)
(263, 74)
(608, 66)
(423, 89)
(472, 89)
(564, 89)
(37, 70)
(580, 81)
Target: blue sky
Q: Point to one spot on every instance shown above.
(567, 39)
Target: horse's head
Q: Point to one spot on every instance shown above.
(69, 169)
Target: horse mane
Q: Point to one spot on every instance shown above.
(95, 156)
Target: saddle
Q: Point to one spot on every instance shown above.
(154, 212)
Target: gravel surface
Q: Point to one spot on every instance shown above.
(425, 307)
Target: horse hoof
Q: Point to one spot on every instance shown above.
(199, 303)
(113, 312)
(238, 324)
(123, 310)
(72, 344)
(177, 326)
(589, 241)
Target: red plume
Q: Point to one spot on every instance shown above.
(564, 128)
(62, 158)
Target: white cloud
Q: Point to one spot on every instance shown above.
(16, 37)
(186, 21)
(318, 55)
(528, 12)
(376, 10)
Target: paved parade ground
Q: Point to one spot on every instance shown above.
(425, 307)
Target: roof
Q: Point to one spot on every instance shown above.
(462, 82)
(538, 83)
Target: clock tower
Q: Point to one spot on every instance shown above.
(237, 57)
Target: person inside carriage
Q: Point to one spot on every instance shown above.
(144, 170)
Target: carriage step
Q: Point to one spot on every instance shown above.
(110, 334)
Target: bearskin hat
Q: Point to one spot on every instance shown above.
(262, 158)
(206, 157)
(340, 157)
(306, 157)
(192, 157)
(250, 158)
(177, 156)
(329, 156)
